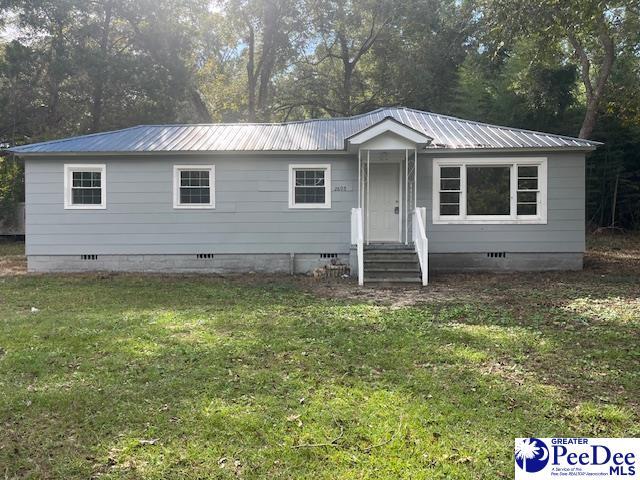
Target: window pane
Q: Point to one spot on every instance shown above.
(449, 197)
(309, 195)
(527, 197)
(449, 209)
(450, 184)
(450, 172)
(86, 196)
(488, 191)
(86, 179)
(194, 178)
(527, 184)
(527, 209)
(310, 178)
(528, 172)
(191, 195)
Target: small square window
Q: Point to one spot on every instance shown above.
(309, 186)
(84, 186)
(193, 186)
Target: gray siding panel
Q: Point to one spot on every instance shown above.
(252, 213)
(563, 232)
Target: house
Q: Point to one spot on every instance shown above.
(395, 192)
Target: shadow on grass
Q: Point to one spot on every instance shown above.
(221, 378)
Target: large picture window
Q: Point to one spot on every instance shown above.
(193, 186)
(489, 191)
(309, 186)
(84, 186)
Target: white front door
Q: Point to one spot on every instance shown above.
(384, 202)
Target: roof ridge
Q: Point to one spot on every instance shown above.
(307, 120)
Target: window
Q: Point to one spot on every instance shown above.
(492, 190)
(309, 186)
(193, 186)
(528, 191)
(450, 190)
(488, 190)
(84, 187)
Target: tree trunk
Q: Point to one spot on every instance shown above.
(268, 58)
(251, 75)
(590, 116)
(347, 75)
(54, 74)
(594, 92)
(614, 202)
(97, 101)
(201, 107)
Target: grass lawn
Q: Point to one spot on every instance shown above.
(122, 376)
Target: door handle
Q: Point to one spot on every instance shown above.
(396, 210)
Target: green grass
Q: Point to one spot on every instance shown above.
(198, 377)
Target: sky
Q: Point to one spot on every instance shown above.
(9, 31)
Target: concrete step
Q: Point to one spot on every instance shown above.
(405, 257)
(391, 275)
(391, 265)
(377, 251)
(406, 268)
(388, 247)
(399, 280)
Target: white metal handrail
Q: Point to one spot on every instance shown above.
(421, 242)
(357, 239)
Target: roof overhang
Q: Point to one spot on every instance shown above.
(387, 126)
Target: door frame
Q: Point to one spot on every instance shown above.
(398, 162)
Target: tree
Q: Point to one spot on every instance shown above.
(425, 45)
(330, 78)
(270, 34)
(11, 188)
(597, 31)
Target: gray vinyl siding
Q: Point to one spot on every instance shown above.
(563, 232)
(252, 213)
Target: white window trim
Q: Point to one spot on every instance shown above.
(513, 218)
(176, 187)
(327, 184)
(69, 168)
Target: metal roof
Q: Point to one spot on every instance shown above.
(328, 134)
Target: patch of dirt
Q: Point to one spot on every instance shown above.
(11, 265)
